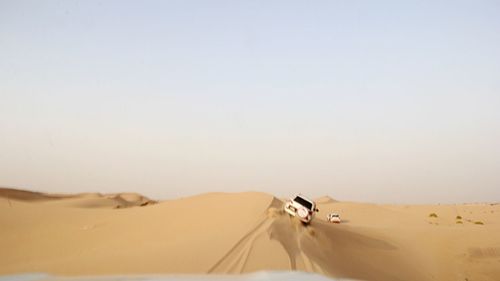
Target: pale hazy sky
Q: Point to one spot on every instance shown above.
(384, 101)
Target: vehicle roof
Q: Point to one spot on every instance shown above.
(302, 196)
(305, 198)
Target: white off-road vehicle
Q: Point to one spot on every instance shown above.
(301, 207)
(333, 218)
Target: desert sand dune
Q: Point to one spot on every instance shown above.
(333, 250)
(25, 195)
(325, 200)
(221, 233)
(83, 200)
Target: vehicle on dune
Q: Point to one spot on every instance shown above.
(301, 207)
(333, 218)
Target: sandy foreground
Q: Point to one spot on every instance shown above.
(219, 233)
(255, 276)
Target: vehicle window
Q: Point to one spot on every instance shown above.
(303, 202)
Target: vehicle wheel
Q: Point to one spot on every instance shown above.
(302, 213)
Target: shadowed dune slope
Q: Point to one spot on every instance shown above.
(83, 200)
(24, 195)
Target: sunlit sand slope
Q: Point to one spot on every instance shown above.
(218, 233)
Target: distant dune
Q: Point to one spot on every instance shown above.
(114, 200)
(219, 233)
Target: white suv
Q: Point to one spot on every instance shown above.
(301, 207)
(333, 217)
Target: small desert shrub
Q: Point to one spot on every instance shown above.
(479, 222)
(433, 215)
(459, 217)
(459, 222)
